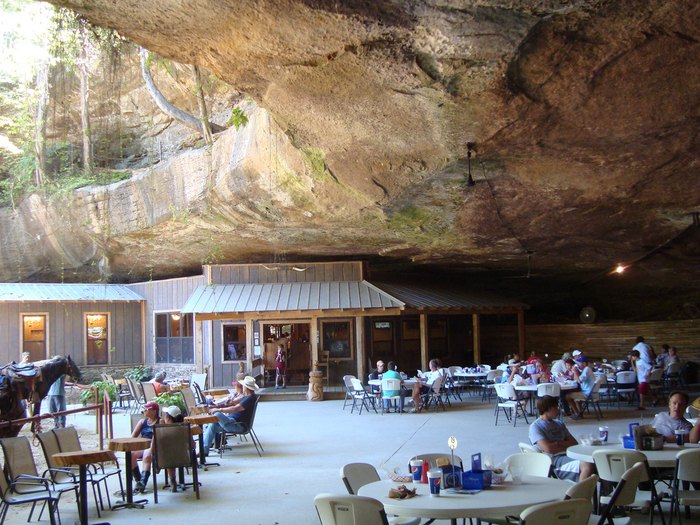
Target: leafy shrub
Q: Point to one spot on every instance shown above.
(139, 374)
(87, 396)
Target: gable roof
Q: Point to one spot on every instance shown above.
(56, 292)
(279, 297)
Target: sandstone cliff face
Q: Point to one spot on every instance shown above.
(585, 116)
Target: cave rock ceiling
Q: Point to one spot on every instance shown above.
(583, 113)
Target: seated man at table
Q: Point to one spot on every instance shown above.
(421, 389)
(232, 413)
(586, 380)
(666, 424)
(551, 436)
(376, 375)
(391, 373)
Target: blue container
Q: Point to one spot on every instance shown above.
(628, 442)
(476, 479)
(452, 477)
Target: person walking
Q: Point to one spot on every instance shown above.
(281, 368)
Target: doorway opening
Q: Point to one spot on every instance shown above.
(296, 340)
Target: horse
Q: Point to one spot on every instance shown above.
(30, 383)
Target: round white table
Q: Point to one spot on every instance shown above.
(471, 375)
(665, 458)
(497, 501)
(533, 388)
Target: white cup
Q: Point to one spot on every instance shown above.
(417, 470)
(434, 481)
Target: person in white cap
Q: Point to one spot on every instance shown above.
(234, 415)
(173, 414)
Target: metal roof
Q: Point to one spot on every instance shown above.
(427, 297)
(44, 292)
(278, 297)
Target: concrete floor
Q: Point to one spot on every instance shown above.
(307, 443)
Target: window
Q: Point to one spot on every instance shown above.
(97, 339)
(383, 338)
(174, 338)
(234, 341)
(34, 336)
(337, 340)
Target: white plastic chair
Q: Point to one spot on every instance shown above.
(334, 509)
(359, 394)
(357, 475)
(612, 464)
(565, 512)
(624, 495)
(531, 464)
(584, 489)
(506, 402)
(687, 470)
(526, 448)
(391, 385)
(625, 384)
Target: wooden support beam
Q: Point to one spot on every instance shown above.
(424, 341)
(476, 337)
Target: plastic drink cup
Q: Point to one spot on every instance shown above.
(516, 473)
(434, 480)
(679, 437)
(603, 434)
(417, 470)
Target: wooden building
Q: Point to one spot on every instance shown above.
(232, 318)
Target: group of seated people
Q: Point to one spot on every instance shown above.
(550, 435)
(420, 388)
(230, 411)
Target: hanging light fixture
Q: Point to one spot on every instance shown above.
(470, 180)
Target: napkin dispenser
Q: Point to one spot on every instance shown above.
(476, 478)
(629, 441)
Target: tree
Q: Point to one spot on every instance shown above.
(42, 103)
(84, 75)
(203, 115)
(163, 103)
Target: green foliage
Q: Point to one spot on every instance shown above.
(139, 373)
(237, 119)
(87, 396)
(167, 399)
(316, 160)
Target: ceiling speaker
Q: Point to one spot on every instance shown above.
(587, 315)
(691, 310)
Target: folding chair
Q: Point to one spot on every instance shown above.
(334, 509)
(625, 384)
(68, 440)
(348, 389)
(391, 385)
(247, 423)
(361, 396)
(687, 471)
(356, 475)
(172, 448)
(508, 402)
(611, 465)
(565, 512)
(434, 395)
(23, 491)
(533, 464)
(21, 471)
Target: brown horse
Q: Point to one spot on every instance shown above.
(22, 384)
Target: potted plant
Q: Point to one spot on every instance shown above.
(167, 399)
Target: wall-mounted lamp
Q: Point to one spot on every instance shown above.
(470, 147)
(620, 268)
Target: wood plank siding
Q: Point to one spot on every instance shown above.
(614, 340)
(65, 330)
(284, 272)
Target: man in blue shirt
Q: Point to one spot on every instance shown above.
(233, 414)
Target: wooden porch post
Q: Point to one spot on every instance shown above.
(424, 341)
(361, 354)
(521, 333)
(198, 346)
(249, 345)
(476, 336)
(313, 334)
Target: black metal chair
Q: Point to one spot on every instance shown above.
(172, 449)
